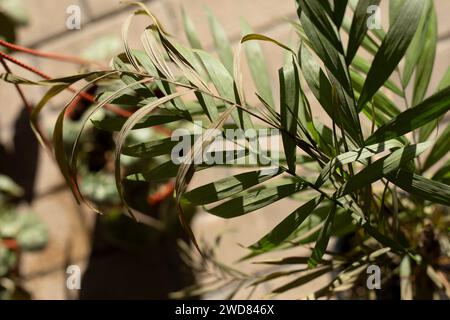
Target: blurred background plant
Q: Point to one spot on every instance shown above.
(19, 232)
(13, 14)
(113, 232)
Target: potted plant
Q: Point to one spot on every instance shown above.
(370, 171)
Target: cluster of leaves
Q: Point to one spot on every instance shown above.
(96, 157)
(18, 232)
(373, 172)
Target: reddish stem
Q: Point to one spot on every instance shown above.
(88, 97)
(164, 191)
(27, 105)
(48, 55)
(118, 111)
(23, 65)
(10, 244)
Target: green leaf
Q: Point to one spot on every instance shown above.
(415, 49)
(12, 78)
(285, 261)
(324, 39)
(7, 261)
(322, 89)
(359, 28)
(353, 156)
(113, 124)
(440, 149)
(413, 118)
(224, 83)
(392, 49)
(255, 200)
(121, 62)
(416, 46)
(258, 66)
(229, 186)
(150, 149)
(322, 241)
(122, 135)
(339, 12)
(426, 59)
(427, 129)
(362, 65)
(380, 100)
(289, 110)
(286, 228)
(68, 170)
(368, 44)
(190, 31)
(395, 7)
(221, 42)
(261, 37)
(382, 167)
(34, 116)
(427, 189)
(169, 169)
(318, 14)
(162, 172)
(316, 79)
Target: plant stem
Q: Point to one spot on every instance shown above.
(48, 55)
(27, 105)
(84, 95)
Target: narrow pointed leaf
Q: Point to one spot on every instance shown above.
(322, 241)
(392, 49)
(427, 129)
(382, 167)
(230, 186)
(440, 149)
(359, 27)
(362, 65)
(352, 156)
(190, 31)
(413, 118)
(425, 62)
(286, 228)
(224, 83)
(416, 48)
(255, 200)
(258, 66)
(221, 42)
(424, 188)
(289, 110)
(339, 12)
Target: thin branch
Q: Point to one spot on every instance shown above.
(27, 105)
(84, 95)
(47, 55)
